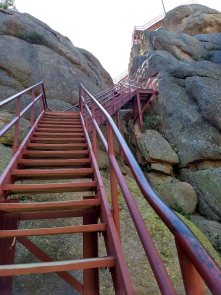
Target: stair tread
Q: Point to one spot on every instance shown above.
(50, 188)
(53, 140)
(56, 154)
(51, 113)
(56, 266)
(56, 130)
(63, 122)
(54, 146)
(49, 206)
(40, 125)
(52, 163)
(53, 231)
(43, 134)
(53, 174)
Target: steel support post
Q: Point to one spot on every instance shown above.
(113, 180)
(192, 280)
(85, 109)
(139, 110)
(7, 250)
(118, 126)
(134, 109)
(91, 277)
(32, 107)
(94, 130)
(15, 145)
(41, 92)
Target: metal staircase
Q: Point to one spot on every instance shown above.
(58, 147)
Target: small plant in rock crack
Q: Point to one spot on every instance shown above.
(129, 142)
(179, 209)
(208, 56)
(151, 122)
(32, 37)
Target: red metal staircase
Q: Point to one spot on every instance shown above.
(58, 147)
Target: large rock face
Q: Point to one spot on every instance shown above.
(184, 63)
(193, 19)
(188, 104)
(208, 186)
(30, 52)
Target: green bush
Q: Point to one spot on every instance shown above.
(208, 56)
(7, 4)
(180, 210)
(151, 122)
(32, 37)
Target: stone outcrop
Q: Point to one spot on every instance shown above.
(211, 229)
(6, 155)
(183, 60)
(208, 187)
(182, 46)
(174, 192)
(154, 147)
(30, 52)
(193, 19)
(8, 137)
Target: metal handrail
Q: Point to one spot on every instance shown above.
(121, 77)
(196, 264)
(154, 22)
(19, 113)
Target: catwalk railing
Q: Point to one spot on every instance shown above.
(110, 94)
(195, 262)
(152, 25)
(121, 77)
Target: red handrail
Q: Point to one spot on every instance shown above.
(19, 113)
(196, 264)
(153, 23)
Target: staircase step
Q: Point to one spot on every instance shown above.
(57, 121)
(61, 114)
(49, 206)
(58, 135)
(59, 130)
(77, 163)
(53, 231)
(57, 140)
(58, 147)
(49, 188)
(60, 126)
(55, 154)
(56, 266)
(53, 174)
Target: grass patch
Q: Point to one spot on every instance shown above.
(32, 37)
(180, 210)
(151, 122)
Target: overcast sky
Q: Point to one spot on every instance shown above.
(102, 27)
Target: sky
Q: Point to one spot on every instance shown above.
(102, 27)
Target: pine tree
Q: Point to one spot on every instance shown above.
(8, 4)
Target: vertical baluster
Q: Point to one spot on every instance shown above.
(80, 101)
(85, 109)
(118, 126)
(16, 135)
(113, 180)
(32, 108)
(94, 130)
(41, 92)
(192, 281)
